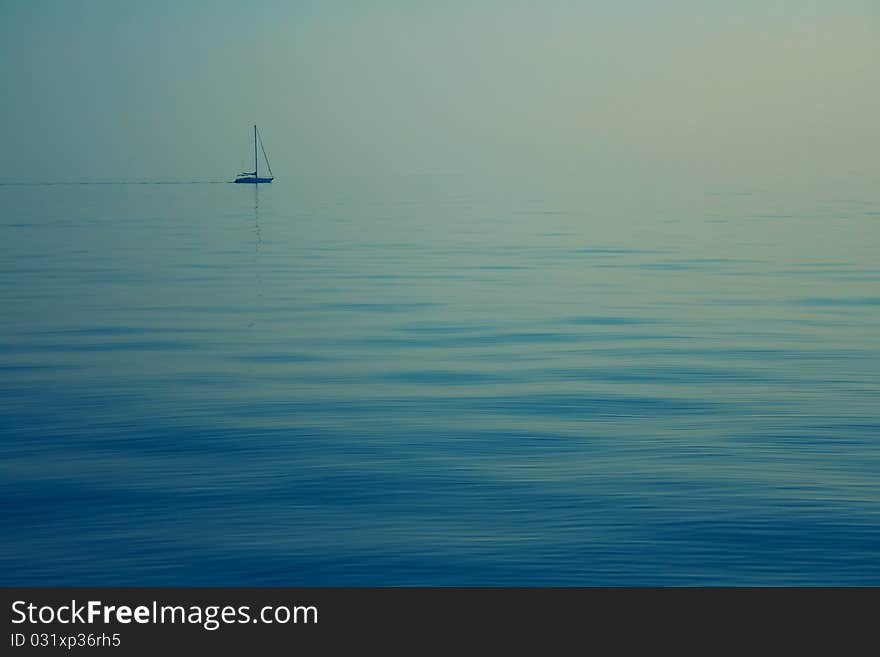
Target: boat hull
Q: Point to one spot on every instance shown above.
(253, 181)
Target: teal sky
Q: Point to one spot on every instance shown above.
(747, 89)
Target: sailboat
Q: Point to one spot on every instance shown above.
(253, 177)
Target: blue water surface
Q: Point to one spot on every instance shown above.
(433, 380)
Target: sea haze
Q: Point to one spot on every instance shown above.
(439, 380)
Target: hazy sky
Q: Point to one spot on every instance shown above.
(112, 89)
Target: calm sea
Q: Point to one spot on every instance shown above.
(431, 380)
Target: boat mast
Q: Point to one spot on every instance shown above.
(256, 175)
